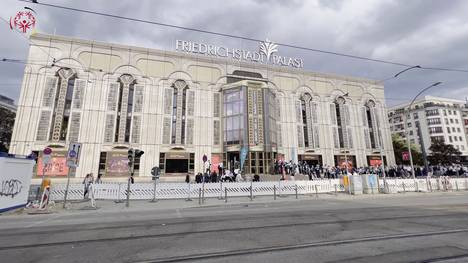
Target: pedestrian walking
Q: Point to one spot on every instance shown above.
(88, 180)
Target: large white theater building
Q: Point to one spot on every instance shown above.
(196, 100)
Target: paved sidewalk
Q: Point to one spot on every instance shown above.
(108, 206)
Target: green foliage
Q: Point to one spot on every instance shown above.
(7, 120)
(400, 145)
(444, 154)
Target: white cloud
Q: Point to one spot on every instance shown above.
(428, 32)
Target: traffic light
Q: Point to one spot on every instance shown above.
(131, 157)
(138, 153)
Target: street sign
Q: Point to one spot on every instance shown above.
(47, 151)
(73, 154)
(155, 172)
(46, 159)
(405, 156)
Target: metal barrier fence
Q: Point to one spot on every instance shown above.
(424, 184)
(145, 191)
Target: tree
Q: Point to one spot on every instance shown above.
(400, 146)
(7, 120)
(444, 154)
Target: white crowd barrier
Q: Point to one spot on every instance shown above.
(145, 191)
(424, 184)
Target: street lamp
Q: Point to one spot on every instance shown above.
(406, 125)
(399, 73)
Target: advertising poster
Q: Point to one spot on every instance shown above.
(215, 160)
(345, 161)
(375, 161)
(117, 164)
(56, 167)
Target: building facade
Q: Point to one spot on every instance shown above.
(179, 107)
(7, 103)
(432, 119)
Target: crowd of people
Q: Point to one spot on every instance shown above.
(219, 173)
(317, 171)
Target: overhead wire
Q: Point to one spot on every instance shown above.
(208, 32)
(240, 37)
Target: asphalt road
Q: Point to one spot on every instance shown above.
(390, 228)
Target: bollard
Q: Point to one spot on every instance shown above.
(430, 185)
(316, 191)
(417, 186)
(438, 184)
(279, 188)
(336, 190)
(199, 196)
(220, 190)
(456, 185)
(296, 191)
(404, 189)
(274, 192)
(154, 191)
(225, 195)
(118, 196)
(203, 193)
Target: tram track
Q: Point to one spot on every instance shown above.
(269, 249)
(207, 231)
(197, 220)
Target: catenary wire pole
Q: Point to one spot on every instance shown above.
(408, 112)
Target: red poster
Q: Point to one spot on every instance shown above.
(405, 156)
(375, 162)
(56, 167)
(215, 160)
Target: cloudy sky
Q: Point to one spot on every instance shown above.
(430, 33)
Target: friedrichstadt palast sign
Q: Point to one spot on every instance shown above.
(267, 53)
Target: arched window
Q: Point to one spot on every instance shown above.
(180, 117)
(342, 135)
(308, 128)
(184, 113)
(124, 108)
(174, 115)
(370, 121)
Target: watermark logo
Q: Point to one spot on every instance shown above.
(23, 20)
(268, 48)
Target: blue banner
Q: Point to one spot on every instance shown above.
(243, 155)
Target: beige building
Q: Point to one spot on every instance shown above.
(432, 119)
(179, 106)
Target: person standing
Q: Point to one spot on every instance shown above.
(220, 169)
(88, 180)
(98, 179)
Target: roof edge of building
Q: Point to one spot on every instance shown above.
(48, 37)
